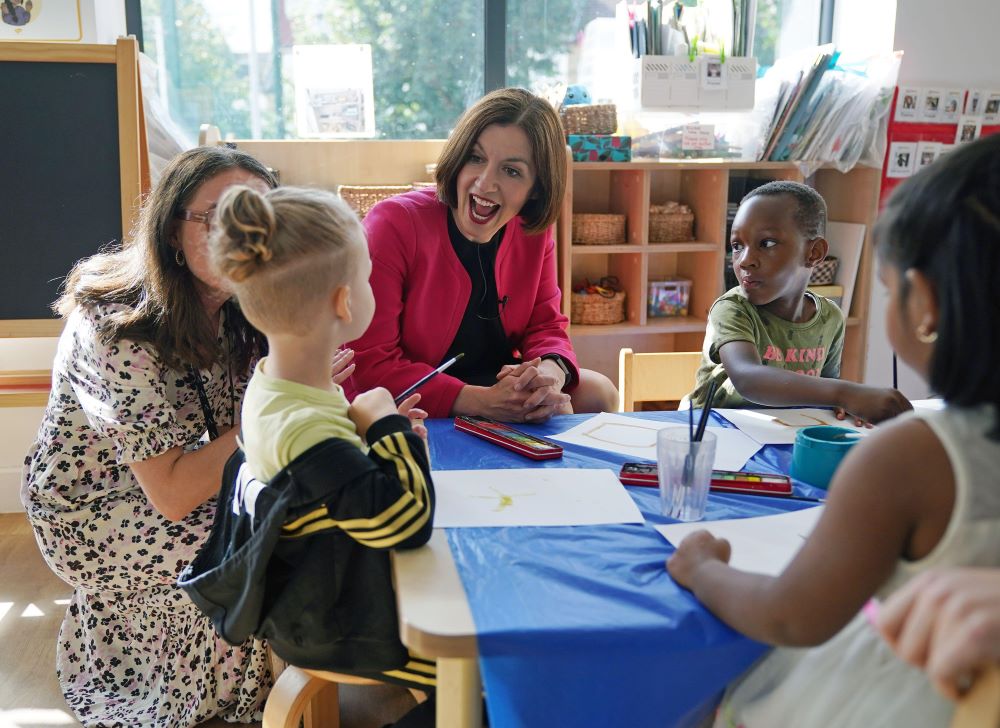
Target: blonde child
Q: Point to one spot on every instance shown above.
(768, 332)
(299, 554)
(919, 493)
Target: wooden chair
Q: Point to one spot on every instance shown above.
(980, 707)
(312, 697)
(652, 377)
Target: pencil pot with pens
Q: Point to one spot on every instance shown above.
(598, 303)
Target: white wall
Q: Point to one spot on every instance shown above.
(950, 43)
(18, 425)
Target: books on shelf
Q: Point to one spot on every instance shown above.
(795, 107)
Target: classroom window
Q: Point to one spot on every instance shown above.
(403, 70)
(232, 63)
(784, 27)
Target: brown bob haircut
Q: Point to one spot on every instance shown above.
(539, 121)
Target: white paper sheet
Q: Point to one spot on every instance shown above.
(637, 438)
(846, 240)
(765, 545)
(531, 497)
(779, 426)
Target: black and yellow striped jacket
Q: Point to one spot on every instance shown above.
(303, 560)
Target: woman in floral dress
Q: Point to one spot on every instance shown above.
(147, 384)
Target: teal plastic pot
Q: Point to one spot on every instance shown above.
(818, 451)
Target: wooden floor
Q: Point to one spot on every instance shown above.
(32, 603)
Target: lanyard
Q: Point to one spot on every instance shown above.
(213, 430)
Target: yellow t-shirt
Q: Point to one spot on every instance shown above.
(282, 419)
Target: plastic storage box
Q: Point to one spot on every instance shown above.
(669, 297)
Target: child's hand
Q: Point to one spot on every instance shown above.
(696, 549)
(369, 407)
(871, 404)
(946, 622)
(343, 365)
(417, 416)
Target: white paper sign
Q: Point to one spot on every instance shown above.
(764, 545)
(531, 497)
(698, 136)
(636, 438)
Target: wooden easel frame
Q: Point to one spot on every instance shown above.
(133, 154)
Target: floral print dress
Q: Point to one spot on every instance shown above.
(133, 649)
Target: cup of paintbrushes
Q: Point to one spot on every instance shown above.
(684, 467)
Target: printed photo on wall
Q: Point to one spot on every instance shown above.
(49, 20)
(927, 152)
(968, 130)
(907, 108)
(713, 73)
(930, 109)
(974, 103)
(991, 112)
(902, 159)
(952, 109)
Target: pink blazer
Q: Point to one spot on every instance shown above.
(422, 290)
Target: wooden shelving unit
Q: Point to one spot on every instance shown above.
(629, 188)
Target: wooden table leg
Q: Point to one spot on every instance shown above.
(459, 693)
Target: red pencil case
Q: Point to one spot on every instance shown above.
(507, 437)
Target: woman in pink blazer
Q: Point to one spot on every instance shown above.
(470, 268)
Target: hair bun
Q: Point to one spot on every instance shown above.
(245, 223)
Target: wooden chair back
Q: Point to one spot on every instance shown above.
(666, 376)
(980, 707)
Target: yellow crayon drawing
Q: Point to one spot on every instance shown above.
(504, 500)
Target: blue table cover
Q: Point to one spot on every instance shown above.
(582, 625)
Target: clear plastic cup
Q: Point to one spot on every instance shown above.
(685, 472)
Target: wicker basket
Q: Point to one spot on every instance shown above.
(671, 227)
(363, 198)
(593, 308)
(671, 222)
(598, 229)
(824, 272)
(589, 118)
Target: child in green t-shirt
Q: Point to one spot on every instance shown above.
(763, 335)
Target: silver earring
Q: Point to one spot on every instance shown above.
(926, 337)
(179, 257)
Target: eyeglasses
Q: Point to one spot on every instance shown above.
(205, 218)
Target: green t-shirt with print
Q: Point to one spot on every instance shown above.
(812, 348)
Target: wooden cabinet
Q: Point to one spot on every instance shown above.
(629, 188)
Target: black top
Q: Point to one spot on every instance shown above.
(263, 573)
(480, 336)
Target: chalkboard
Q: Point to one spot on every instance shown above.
(71, 165)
